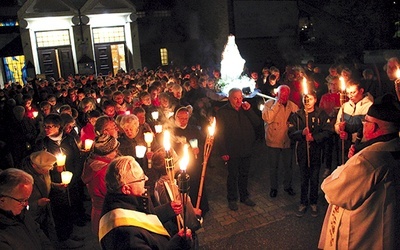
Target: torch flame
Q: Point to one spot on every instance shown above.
(185, 159)
(305, 88)
(211, 129)
(342, 83)
(167, 143)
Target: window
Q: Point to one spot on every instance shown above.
(15, 69)
(52, 38)
(108, 34)
(164, 56)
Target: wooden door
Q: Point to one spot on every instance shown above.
(103, 58)
(48, 62)
(66, 62)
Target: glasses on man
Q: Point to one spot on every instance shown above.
(144, 178)
(22, 202)
(49, 126)
(366, 121)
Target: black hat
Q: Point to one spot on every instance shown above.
(385, 108)
(105, 144)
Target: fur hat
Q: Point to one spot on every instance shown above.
(105, 144)
(385, 108)
(43, 159)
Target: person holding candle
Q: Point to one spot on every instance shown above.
(130, 139)
(106, 125)
(182, 133)
(18, 228)
(162, 193)
(314, 135)
(105, 149)
(38, 165)
(129, 220)
(88, 132)
(65, 215)
(330, 102)
(363, 194)
(236, 123)
(348, 123)
(275, 115)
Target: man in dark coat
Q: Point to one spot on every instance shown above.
(18, 230)
(38, 165)
(236, 122)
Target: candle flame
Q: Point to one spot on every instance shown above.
(154, 115)
(305, 87)
(398, 73)
(167, 143)
(185, 159)
(148, 137)
(211, 129)
(342, 83)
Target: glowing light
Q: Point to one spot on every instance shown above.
(140, 151)
(66, 177)
(185, 159)
(305, 87)
(342, 83)
(261, 107)
(232, 65)
(398, 73)
(154, 115)
(61, 158)
(88, 144)
(194, 143)
(167, 143)
(211, 129)
(158, 128)
(148, 138)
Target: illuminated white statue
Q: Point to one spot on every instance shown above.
(232, 65)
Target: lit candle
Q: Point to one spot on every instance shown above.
(61, 159)
(98, 100)
(35, 114)
(158, 128)
(398, 73)
(148, 138)
(154, 115)
(127, 112)
(88, 144)
(170, 114)
(140, 151)
(66, 177)
(194, 143)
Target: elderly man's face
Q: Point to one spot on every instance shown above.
(131, 130)
(17, 200)
(369, 126)
(136, 185)
(235, 99)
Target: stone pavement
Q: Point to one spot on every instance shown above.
(271, 224)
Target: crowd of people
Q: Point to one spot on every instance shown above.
(97, 122)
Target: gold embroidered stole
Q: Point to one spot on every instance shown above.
(333, 227)
(124, 217)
